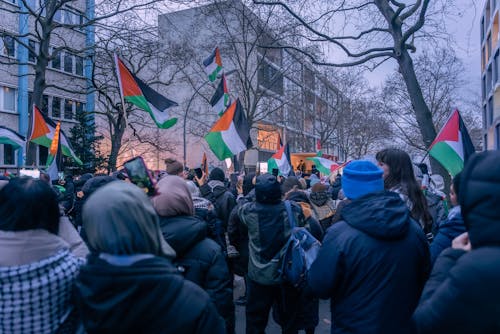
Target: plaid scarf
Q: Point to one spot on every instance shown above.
(35, 298)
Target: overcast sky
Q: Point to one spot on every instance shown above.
(465, 30)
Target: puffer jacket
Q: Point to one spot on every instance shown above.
(201, 260)
(463, 294)
(372, 265)
(147, 296)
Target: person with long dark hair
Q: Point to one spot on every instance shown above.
(37, 268)
(400, 178)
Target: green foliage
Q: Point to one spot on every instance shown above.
(86, 145)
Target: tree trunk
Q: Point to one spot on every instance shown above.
(116, 143)
(422, 112)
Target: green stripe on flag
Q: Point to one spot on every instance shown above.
(447, 157)
(218, 146)
(139, 101)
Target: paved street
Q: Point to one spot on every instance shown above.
(273, 328)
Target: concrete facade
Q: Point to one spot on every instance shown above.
(490, 70)
(67, 75)
(286, 92)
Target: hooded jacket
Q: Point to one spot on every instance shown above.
(148, 296)
(199, 257)
(373, 265)
(223, 200)
(463, 294)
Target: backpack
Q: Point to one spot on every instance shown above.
(300, 251)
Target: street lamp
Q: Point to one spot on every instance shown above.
(197, 91)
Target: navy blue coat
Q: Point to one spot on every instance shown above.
(448, 230)
(373, 265)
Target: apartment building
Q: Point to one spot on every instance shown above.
(281, 92)
(67, 74)
(490, 81)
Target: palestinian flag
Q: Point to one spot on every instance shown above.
(220, 100)
(42, 130)
(325, 166)
(54, 160)
(213, 65)
(11, 137)
(281, 161)
(135, 91)
(452, 146)
(230, 135)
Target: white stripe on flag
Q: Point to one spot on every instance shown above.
(232, 140)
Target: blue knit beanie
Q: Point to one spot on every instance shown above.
(361, 177)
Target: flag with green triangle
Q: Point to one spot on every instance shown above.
(452, 146)
(135, 91)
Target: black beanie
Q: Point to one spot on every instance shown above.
(267, 189)
(217, 174)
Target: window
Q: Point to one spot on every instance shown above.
(58, 16)
(80, 108)
(68, 109)
(7, 46)
(8, 99)
(497, 137)
(56, 107)
(56, 61)
(79, 65)
(32, 51)
(45, 104)
(270, 78)
(68, 62)
(9, 155)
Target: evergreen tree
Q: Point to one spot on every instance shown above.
(86, 145)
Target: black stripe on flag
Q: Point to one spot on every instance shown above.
(159, 101)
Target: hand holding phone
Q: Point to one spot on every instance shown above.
(139, 175)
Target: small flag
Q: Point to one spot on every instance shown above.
(54, 160)
(11, 137)
(452, 146)
(138, 93)
(204, 164)
(230, 135)
(42, 130)
(213, 65)
(220, 100)
(281, 161)
(325, 166)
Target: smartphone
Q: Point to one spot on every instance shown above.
(276, 171)
(198, 172)
(139, 175)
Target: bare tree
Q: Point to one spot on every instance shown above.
(369, 33)
(129, 130)
(441, 75)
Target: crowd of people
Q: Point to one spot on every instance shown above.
(96, 254)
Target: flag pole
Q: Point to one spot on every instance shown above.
(121, 89)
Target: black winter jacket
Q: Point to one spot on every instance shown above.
(373, 265)
(201, 259)
(149, 296)
(463, 293)
(223, 200)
